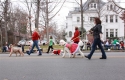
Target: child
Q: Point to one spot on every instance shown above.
(50, 44)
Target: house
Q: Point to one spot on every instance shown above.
(112, 25)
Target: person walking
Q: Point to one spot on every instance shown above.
(50, 44)
(35, 36)
(75, 38)
(97, 34)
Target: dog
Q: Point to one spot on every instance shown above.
(57, 52)
(15, 50)
(71, 48)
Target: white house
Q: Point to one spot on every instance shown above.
(112, 25)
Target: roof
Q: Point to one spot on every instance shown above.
(86, 7)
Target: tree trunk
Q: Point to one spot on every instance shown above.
(47, 20)
(81, 19)
(37, 16)
(5, 18)
(30, 23)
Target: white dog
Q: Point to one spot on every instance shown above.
(71, 49)
(15, 50)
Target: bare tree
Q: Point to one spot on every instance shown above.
(49, 11)
(6, 6)
(29, 6)
(37, 13)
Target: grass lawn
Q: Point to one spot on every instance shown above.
(45, 47)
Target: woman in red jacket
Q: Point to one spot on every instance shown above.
(75, 38)
(35, 37)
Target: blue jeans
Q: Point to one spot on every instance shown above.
(96, 42)
(107, 46)
(4, 49)
(35, 43)
(116, 45)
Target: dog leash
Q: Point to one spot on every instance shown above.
(80, 35)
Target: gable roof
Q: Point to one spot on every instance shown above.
(86, 7)
(88, 2)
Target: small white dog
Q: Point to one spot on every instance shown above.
(71, 49)
(15, 50)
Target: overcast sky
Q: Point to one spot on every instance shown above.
(68, 6)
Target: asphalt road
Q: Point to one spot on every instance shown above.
(54, 67)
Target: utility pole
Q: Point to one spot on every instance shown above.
(1, 32)
(5, 18)
(47, 20)
(81, 6)
(124, 23)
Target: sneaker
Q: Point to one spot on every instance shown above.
(40, 55)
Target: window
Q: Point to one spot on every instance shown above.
(116, 18)
(106, 33)
(106, 18)
(116, 32)
(92, 19)
(111, 32)
(111, 7)
(107, 7)
(115, 8)
(78, 19)
(66, 25)
(111, 18)
(70, 33)
(93, 6)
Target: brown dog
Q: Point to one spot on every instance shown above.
(15, 50)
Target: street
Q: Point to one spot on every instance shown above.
(54, 67)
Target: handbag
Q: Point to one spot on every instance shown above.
(90, 37)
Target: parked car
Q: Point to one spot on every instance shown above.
(21, 42)
(30, 42)
(43, 42)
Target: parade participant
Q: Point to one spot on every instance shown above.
(50, 44)
(97, 34)
(35, 36)
(75, 38)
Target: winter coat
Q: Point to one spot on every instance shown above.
(75, 38)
